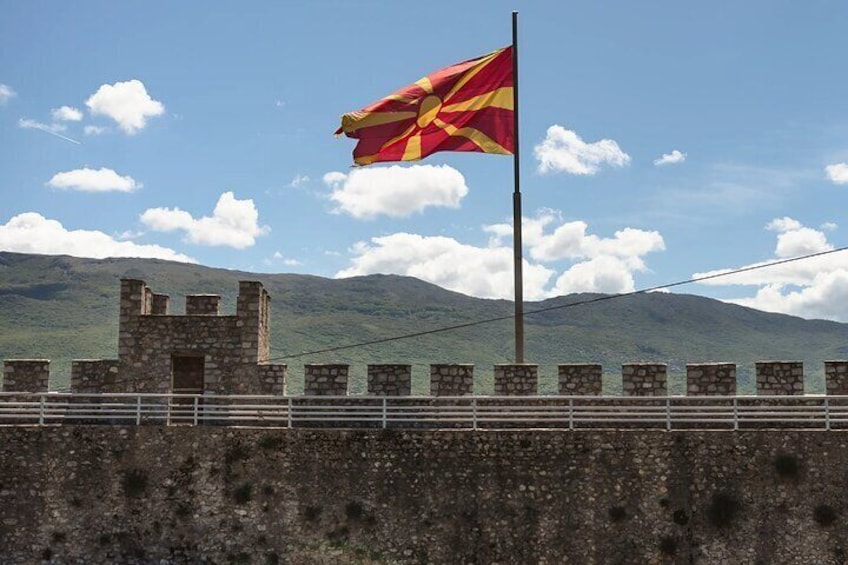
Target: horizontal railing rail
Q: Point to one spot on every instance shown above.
(424, 412)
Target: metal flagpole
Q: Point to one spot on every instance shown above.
(516, 207)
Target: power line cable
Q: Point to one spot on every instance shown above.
(561, 306)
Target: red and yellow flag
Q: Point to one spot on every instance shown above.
(464, 107)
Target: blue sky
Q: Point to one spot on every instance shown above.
(659, 140)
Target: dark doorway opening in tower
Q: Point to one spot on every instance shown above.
(186, 378)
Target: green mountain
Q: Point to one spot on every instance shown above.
(64, 308)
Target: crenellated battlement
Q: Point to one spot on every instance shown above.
(204, 352)
(781, 378)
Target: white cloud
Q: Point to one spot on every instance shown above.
(128, 103)
(233, 223)
(838, 173)
(91, 180)
(795, 240)
(595, 264)
(563, 150)
(286, 261)
(569, 240)
(53, 129)
(26, 123)
(602, 274)
(828, 226)
(670, 158)
(31, 232)
(66, 114)
(784, 224)
(476, 271)
(299, 180)
(395, 191)
(600, 264)
(6, 94)
(811, 288)
(94, 130)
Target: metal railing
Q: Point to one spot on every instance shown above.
(420, 412)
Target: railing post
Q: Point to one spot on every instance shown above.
(735, 414)
(138, 410)
(571, 414)
(474, 412)
(196, 399)
(826, 414)
(667, 414)
(41, 411)
(289, 419)
(384, 412)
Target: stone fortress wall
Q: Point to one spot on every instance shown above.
(199, 494)
(191, 494)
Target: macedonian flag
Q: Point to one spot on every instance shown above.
(464, 107)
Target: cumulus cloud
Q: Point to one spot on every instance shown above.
(31, 232)
(600, 264)
(602, 274)
(66, 114)
(128, 103)
(91, 180)
(476, 271)
(811, 288)
(670, 158)
(569, 240)
(784, 224)
(594, 264)
(395, 191)
(838, 173)
(563, 151)
(6, 93)
(233, 223)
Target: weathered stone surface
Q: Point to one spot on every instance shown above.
(452, 379)
(643, 379)
(325, 379)
(389, 379)
(516, 380)
(710, 379)
(202, 304)
(26, 375)
(91, 376)
(580, 379)
(190, 495)
(780, 377)
(836, 377)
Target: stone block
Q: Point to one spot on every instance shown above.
(780, 378)
(644, 379)
(325, 379)
(836, 377)
(580, 379)
(516, 380)
(711, 379)
(453, 379)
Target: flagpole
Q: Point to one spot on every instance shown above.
(516, 207)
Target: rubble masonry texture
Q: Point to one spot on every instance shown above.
(186, 494)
